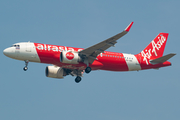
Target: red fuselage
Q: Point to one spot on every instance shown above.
(111, 61)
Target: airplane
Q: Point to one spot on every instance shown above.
(75, 61)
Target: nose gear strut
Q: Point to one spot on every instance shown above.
(26, 64)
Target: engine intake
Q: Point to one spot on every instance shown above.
(55, 72)
(70, 57)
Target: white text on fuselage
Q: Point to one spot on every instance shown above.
(155, 47)
(55, 48)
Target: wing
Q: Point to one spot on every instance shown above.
(90, 54)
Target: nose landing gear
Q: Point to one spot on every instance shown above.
(26, 64)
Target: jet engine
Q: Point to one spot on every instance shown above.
(55, 72)
(70, 57)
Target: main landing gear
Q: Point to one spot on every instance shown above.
(78, 79)
(26, 64)
(88, 70)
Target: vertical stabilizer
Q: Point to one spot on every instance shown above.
(156, 48)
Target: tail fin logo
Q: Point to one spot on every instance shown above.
(154, 48)
(158, 45)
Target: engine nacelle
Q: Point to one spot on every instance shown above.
(70, 57)
(55, 72)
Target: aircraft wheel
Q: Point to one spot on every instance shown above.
(25, 68)
(78, 79)
(26, 64)
(88, 70)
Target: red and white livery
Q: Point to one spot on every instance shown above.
(75, 61)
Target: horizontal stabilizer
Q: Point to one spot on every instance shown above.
(162, 59)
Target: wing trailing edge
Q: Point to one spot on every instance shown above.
(93, 51)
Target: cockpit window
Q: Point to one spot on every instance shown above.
(15, 45)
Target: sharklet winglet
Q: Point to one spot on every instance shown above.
(129, 27)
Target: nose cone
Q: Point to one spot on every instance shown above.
(8, 52)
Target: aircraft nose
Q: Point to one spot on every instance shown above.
(7, 52)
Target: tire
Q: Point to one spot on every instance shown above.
(88, 70)
(25, 68)
(78, 79)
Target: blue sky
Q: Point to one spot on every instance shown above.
(149, 94)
